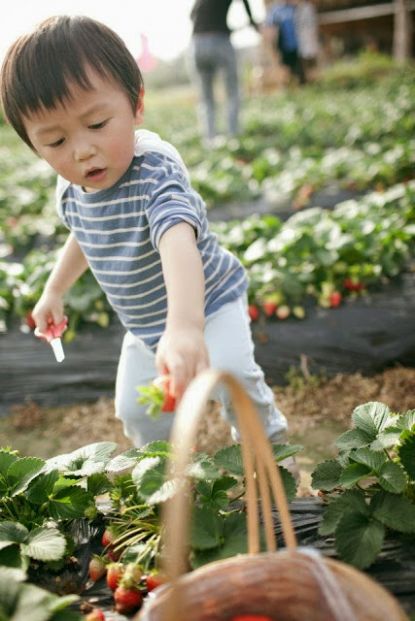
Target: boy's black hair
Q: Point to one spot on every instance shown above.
(40, 66)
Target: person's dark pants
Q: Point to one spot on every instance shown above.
(293, 61)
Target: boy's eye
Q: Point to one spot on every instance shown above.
(56, 143)
(98, 125)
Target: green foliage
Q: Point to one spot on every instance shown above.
(218, 520)
(291, 147)
(370, 486)
(317, 252)
(20, 601)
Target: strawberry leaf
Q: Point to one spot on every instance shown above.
(353, 439)
(371, 417)
(394, 511)
(207, 528)
(406, 453)
(351, 500)
(44, 544)
(352, 474)
(326, 475)
(371, 459)
(392, 477)
(359, 539)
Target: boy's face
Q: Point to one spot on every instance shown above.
(90, 140)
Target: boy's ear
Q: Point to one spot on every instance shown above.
(139, 112)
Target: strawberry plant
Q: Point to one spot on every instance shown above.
(369, 490)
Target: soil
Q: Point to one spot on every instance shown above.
(317, 409)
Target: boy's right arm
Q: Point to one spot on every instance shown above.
(70, 266)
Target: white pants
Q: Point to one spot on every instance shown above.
(230, 346)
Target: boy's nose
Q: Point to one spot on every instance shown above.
(83, 151)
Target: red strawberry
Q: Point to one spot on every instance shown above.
(269, 308)
(115, 572)
(169, 401)
(96, 614)
(153, 581)
(335, 299)
(127, 600)
(253, 312)
(113, 555)
(96, 568)
(251, 618)
(353, 284)
(107, 538)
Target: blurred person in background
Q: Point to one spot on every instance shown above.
(281, 30)
(212, 52)
(306, 20)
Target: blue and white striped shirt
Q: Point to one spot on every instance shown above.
(119, 230)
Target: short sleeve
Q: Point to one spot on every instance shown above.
(170, 200)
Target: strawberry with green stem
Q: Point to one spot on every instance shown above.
(157, 396)
(115, 572)
(128, 596)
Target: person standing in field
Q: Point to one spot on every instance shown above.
(212, 52)
(308, 39)
(281, 30)
(75, 95)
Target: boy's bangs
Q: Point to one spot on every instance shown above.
(50, 84)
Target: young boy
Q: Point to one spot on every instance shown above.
(74, 94)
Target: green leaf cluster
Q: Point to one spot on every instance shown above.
(20, 601)
(39, 499)
(218, 520)
(370, 487)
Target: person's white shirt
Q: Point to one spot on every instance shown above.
(307, 29)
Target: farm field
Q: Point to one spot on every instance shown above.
(317, 199)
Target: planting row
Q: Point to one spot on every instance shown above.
(291, 148)
(316, 257)
(78, 518)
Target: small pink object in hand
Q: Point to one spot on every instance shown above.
(52, 336)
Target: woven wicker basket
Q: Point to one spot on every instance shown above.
(289, 585)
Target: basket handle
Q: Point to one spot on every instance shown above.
(259, 467)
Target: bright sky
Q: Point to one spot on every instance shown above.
(165, 22)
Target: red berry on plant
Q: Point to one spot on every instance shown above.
(107, 538)
(353, 284)
(269, 308)
(96, 614)
(127, 600)
(96, 568)
(113, 555)
(115, 572)
(253, 312)
(335, 299)
(153, 581)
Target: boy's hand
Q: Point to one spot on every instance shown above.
(181, 354)
(49, 310)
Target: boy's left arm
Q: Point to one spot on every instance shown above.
(182, 351)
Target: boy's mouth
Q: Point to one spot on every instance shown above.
(95, 174)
